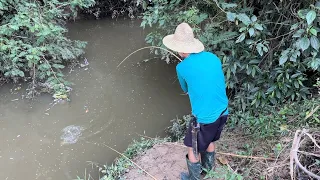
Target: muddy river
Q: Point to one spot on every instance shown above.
(40, 141)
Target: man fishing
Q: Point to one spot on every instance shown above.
(201, 77)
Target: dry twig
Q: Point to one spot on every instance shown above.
(295, 150)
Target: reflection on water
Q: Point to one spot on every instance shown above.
(108, 106)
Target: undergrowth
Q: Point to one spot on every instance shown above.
(121, 165)
(33, 44)
(266, 122)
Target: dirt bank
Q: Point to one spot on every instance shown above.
(166, 161)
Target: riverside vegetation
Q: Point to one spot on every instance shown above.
(269, 49)
(270, 54)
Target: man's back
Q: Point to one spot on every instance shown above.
(201, 75)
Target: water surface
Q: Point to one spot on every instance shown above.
(108, 106)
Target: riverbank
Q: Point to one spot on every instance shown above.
(238, 157)
(242, 152)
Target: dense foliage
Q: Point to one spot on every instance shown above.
(269, 122)
(33, 45)
(270, 49)
(116, 8)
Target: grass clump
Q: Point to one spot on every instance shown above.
(122, 165)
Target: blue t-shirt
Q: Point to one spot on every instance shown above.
(201, 76)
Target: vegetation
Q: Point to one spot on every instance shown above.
(272, 121)
(269, 49)
(121, 164)
(33, 45)
(270, 54)
(116, 8)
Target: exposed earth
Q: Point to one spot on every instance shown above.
(167, 160)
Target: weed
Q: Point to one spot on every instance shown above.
(122, 164)
(179, 127)
(222, 173)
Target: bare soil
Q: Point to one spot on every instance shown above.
(163, 161)
(167, 160)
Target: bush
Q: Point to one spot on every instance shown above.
(33, 46)
(267, 122)
(115, 8)
(269, 50)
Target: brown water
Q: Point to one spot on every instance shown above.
(111, 105)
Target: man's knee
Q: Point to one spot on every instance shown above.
(211, 147)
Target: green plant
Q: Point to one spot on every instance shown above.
(276, 120)
(317, 85)
(270, 121)
(277, 149)
(179, 127)
(33, 45)
(269, 50)
(223, 173)
(121, 164)
(115, 8)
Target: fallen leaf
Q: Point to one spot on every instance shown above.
(223, 160)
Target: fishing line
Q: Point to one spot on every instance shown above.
(148, 47)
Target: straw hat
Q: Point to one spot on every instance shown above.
(183, 40)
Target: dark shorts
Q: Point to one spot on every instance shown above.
(208, 133)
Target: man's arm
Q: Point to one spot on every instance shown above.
(182, 82)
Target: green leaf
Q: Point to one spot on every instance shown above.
(228, 73)
(296, 84)
(294, 26)
(244, 18)
(58, 66)
(283, 59)
(143, 23)
(249, 41)
(251, 32)
(298, 33)
(315, 63)
(302, 13)
(265, 49)
(254, 18)
(253, 72)
(295, 75)
(304, 43)
(241, 38)
(314, 42)
(293, 59)
(258, 26)
(311, 16)
(144, 5)
(231, 16)
(313, 31)
(228, 5)
(161, 22)
(259, 49)
(242, 29)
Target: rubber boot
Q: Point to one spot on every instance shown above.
(194, 171)
(207, 160)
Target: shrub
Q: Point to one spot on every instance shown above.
(269, 50)
(33, 46)
(267, 122)
(115, 8)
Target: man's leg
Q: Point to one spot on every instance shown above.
(211, 147)
(192, 157)
(207, 157)
(193, 164)
(194, 167)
